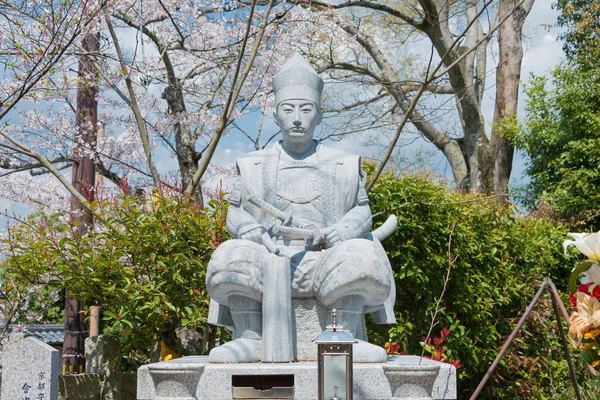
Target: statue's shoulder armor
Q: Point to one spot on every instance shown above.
(328, 154)
(350, 177)
(247, 161)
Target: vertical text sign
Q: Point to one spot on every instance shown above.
(30, 371)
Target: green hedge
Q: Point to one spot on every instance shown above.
(501, 260)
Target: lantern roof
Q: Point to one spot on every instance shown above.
(334, 333)
(337, 336)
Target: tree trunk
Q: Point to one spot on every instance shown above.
(461, 78)
(499, 153)
(185, 140)
(83, 179)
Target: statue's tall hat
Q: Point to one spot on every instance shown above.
(297, 80)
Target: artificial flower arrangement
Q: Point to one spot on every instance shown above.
(584, 324)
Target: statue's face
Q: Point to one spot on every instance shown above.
(297, 120)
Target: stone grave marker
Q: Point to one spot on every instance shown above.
(30, 371)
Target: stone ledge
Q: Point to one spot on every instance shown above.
(79, 387)
(369, 380)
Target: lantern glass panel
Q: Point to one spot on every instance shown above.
(334, 368)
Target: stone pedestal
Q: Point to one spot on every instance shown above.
(175, 381)
(215, 380)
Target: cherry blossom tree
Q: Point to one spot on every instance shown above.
(176, 75)
(193, 68)
(35, 38)
(146, 98)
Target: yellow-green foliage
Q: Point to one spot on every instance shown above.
(144, 263)
(561, 130)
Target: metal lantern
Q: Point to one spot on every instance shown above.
(335, 362)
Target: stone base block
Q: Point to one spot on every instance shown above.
(215, 381)
(309, 321)
(79, 387)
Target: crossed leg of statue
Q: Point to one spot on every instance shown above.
(247, 318)
(350, 317)
(348, 277)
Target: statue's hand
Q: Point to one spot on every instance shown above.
(330, 236)
(254, 235)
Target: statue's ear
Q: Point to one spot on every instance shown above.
(275, 117)
(320, 115)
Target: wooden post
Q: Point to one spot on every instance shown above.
(94, 321)
(100, 135)
(83, 179)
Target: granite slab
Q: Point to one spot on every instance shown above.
(370, 382)
(30, 370)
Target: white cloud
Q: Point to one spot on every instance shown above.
(541, 58)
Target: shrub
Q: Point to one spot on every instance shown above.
(143, 263)
(501, 261)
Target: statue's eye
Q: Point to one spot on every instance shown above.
(306, 110)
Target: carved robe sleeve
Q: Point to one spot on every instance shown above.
(239, 221)
(357, 222)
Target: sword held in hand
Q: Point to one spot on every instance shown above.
(286, 219)
(288, 228)
(297, 233)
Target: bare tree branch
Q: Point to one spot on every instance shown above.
(182, 41)
(108, 174)
(6, 163)
(23, 149)
(416, 22)
(238, 82)
(134, 106)
(431, 88)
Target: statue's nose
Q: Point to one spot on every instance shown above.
(297, 121)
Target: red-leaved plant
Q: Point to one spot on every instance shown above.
(437, 351)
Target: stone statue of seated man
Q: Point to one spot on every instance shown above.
(304, 203)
